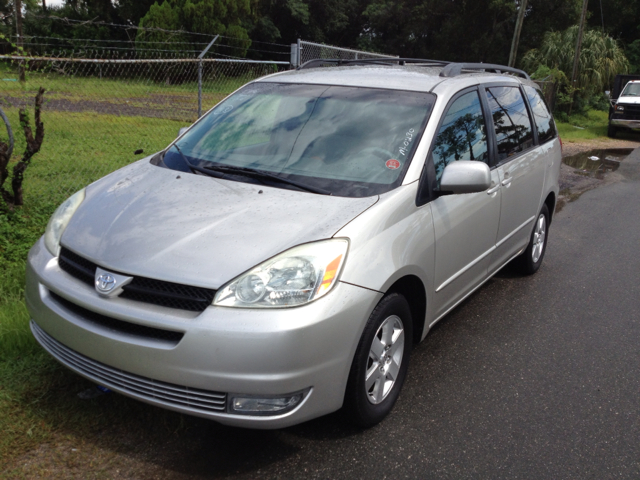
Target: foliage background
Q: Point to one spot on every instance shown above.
(459, 30)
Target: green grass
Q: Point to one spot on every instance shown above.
(38, 400)
(78, 149)
(591, 126)
(82, 147)
(146, 88)
(38, 397)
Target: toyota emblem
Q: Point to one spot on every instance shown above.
(105, 283)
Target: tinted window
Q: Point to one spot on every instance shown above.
(349, 141)
(462, 136)
(541, 115)
(510, 120)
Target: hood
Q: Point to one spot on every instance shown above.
(155, 222)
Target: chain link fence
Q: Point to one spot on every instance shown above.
(309, 51)
(105, 109)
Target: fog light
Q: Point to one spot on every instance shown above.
(254, 405)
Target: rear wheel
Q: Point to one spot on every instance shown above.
(529, 262)
(380, 364)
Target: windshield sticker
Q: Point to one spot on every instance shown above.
(408, 138)
(392, 164)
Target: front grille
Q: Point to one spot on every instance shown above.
(631, 112)
(167, 294)
(193, 399)
(75, 265)
(141, 289)
(120, 326)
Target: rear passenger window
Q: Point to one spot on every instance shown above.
(510, 120)
(462, 136)
(541, 115)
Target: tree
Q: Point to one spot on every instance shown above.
(601, 58)
(547, 15)
(213, 17)
(460, 30)
(620, 18)
(132, 11)
(633, 54)
(33, 146)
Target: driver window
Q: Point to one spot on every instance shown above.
(462, 135)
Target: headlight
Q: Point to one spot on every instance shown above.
(59, 221)
(620, 108)
(295, 277)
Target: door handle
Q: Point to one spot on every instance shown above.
(493, 190)
(506, 181)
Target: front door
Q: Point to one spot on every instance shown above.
(465, 224)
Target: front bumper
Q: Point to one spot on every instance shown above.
(626, 124)
(222, 350)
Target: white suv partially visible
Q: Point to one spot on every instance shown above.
(280, 258)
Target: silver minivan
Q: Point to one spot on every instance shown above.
(279, 260)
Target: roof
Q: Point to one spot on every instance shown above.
(394, 77)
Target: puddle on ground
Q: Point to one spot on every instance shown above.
(595, 163)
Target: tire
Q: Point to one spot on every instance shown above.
(612, 131)
(380, 363)
(529, 262)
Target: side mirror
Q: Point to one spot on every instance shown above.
(607, 93)
(182, 130)
(465, 176)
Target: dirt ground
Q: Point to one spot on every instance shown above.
(574, 182)
(571, 148)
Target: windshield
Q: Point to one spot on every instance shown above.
(348, 141)
(631, 90)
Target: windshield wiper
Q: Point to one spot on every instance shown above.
(211, 171)
(249, 172)
(195, 168)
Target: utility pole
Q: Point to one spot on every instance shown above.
(576, 58)
(579, 42)
(19, 43)
(516, 34)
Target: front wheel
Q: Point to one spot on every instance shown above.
(529, 262)
(612, 131)
(380, 364)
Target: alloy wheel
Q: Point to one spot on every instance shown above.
(385, 359)
(539, 235)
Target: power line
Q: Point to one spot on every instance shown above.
(149, 29)
(134, 43)
(114, 41)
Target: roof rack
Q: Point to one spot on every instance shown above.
(455, 69)
(450, 69)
